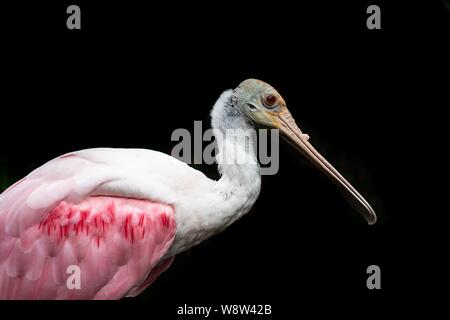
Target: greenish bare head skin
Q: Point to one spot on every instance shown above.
(264, 106)
(260, 102)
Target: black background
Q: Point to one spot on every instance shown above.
(136, 72)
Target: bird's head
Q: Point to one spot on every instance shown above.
(265, 107)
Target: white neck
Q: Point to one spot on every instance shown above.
(240, 180)
(226, 200)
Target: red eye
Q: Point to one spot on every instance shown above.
(270, 100)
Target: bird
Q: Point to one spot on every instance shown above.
(111, 220)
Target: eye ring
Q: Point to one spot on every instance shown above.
(270, 100)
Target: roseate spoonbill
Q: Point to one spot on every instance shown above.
(121, 215)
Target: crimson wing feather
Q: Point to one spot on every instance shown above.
(52, 230)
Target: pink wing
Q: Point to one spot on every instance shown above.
(57, 241)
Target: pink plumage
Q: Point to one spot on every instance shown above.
(49, 222)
